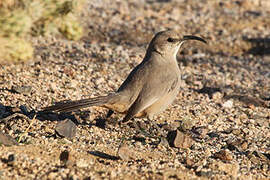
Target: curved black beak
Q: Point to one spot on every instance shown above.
(190, 37)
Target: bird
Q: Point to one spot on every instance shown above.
(149, 88)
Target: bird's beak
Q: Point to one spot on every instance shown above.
(190, 37)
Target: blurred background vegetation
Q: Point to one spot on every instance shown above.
(23, 19)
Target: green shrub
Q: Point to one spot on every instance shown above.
(14, 50)
(22, 18)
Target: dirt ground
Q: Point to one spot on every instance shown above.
(218, 127)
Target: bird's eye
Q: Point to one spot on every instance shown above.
(170, 40)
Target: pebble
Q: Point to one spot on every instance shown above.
(66, 128)
(228, 104)
(179, 139)
(224, 155)
(7, 140)
(82, 163)
(126, 153)
(232, 62)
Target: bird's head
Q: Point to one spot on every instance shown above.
(169, 42)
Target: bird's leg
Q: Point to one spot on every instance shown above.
(154, 124)
(137, 127)
(149, 133)
(141, 129)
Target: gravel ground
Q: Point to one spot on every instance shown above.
(220, 121)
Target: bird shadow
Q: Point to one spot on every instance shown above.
(9, 113)
(259, 46)
(100, 122)
(103, 155)
(78, 117)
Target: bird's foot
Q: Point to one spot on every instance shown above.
(142, 128)
(159, 130)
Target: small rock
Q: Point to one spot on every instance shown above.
(179, 139)
(206, 174)
(200, 131)
(224, 155)
(7, 140)
(168, 127)
(64, 156)
(244, 145)
(252, 102)
(53, 86)
(217, 96)
(236, 131)
(208, 153)
(240, 144)
(68, 71)
(82, 163)
(228, 104)
(233, 144)
(10, 160)
(163, 143)
(22, 89)
(172, 127)
(176, 124)
(231, 169)
(126, 153)
(262, 122)
(66, 128)
(187, 123)
(190, 162)
(263, 157)
(73, 83)
(52, 175)
(254, 159)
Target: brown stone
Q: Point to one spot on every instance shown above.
(179, 139)
(126, 153)
(189, 162)
(231, 169)
(66, 128)
(224, 155)
(7, 140)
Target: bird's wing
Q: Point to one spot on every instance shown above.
(152, 91)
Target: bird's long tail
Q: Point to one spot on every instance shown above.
(79, 104)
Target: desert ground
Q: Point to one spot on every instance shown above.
(217, 128)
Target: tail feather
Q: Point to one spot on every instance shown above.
(79, 104)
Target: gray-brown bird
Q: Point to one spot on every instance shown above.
(150, 87)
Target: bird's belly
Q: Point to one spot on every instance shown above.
(118, 107)
(122, 109)
(161, 104)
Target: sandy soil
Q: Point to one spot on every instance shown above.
(221, 117)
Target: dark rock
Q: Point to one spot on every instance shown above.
(7, 140)
(10, 160)
(179, 139)
(64, 157)
(200, 131)
(22, 89)
(224, 155)
(66, 128)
